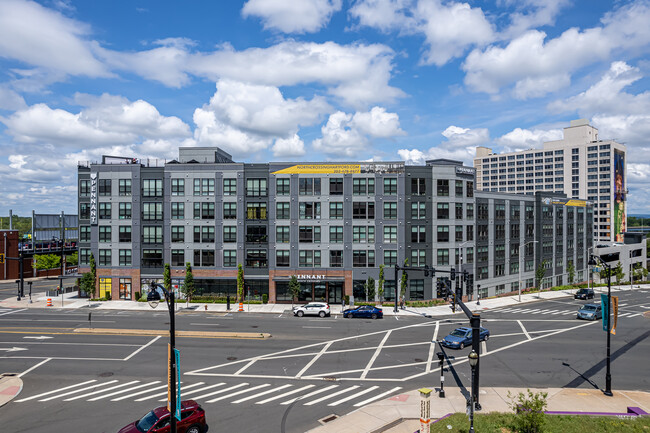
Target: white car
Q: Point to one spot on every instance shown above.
(312, 309)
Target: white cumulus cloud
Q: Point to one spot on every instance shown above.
(460, 145)
(295, 16)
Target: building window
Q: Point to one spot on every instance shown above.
(459, 211)
(309, 234)
(124, 187)
(229, 258)
(482, 211)
(152, 188)
(84, 256)
(125, 211)
(178, 210)
(104, 187)
(125, 257)
(230, 211)
(470, 211)
(469, 255)
(418, 210)
(309, 259)
(282, 258)
(104, 233)
(256, 188)
(125, 234)
(459, 234)
(418, 234)
(443, 256)
(459, 188)
(336, 259)
(230, 233)
(204, 186)
(178, 234)
(309, 186)
(104, 257)
(499, 232)
(470, 189)
(230, 187)
(204, 258)
(470, 233)
(390, 257)
(336, 186)
(282, 211)
(390, 186)
(178, 187)
(363, 258)
(308, 210)
(418, 258)
(416, 289)
(363, 234)
(390, 234)
(282, 186)
(104, 211)
(256, 259)
(443, 234)
(152, 211)
(178, 258)
(84, 211)
(443, 188)
(336, 234)
(418, 186)
(363, 186)
(336, 211)
(84, 188)
(500, 211)
(363, 210)
(256, 211)
(152, 235)
(282, 235)
(84, 233)
(390, 210)
(443, 211)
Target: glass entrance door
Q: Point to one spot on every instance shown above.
(335, 292)
(320, 292)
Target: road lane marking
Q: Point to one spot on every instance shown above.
(277, 397)
(318, 391)
(524, 329)
(143, 347)
(160, 394)
(219, 391)
(223, 397)
(34, 367)
(56, 390)
(318, 400)
(65, 394)
(313, 360)
(122, 385)
(375, 355)
(13, 311)
(353, 396)
(124, 397)
(126, 390)
(378, 396)
(432, 347)
(317, 327)
(250, 397)
(205, 388)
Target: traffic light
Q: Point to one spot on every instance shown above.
(470, 284)
(2, 258)
(452, 276)
(440, 293)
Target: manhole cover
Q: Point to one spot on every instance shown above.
(231, 358)
(328, 418)
(106, 374)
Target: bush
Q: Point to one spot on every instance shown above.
(136, 296)
(347, 300)
(529, 409)
(265, 298)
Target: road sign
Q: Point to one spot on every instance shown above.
(615, 312)
(605, 310)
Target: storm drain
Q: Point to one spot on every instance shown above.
(328, 418)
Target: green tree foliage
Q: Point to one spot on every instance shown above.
(87, 284)
(404, 281)
(240, 283)
(370, 288)
(618, 272)
(294, 288)
(540, 273)
(72, 259)
(188, 284)
(380, 284)
(167, 278)
(530, 409)
(47, 261)
(571, 270)
(22, 224)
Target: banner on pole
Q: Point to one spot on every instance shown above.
(177, 356)
(615, 312)
(605, 310)
(169, 377)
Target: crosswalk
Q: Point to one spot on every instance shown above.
(562, 312)
(265, 393)
(5, 311)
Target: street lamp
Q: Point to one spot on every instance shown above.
(520, 264)
(153, 298)
(473, 361)
(593, 260)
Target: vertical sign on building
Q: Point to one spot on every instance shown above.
(620, 221)
(93, 199)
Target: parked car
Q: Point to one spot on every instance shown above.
(312, 309)
(192, 420)
(590, 312)
(584, 294)
(367, 311)
(461, 337)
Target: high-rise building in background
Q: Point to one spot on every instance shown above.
(579, 165)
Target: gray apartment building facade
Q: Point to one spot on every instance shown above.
(332, 225)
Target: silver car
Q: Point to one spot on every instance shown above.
(590, 312)
(312, 309)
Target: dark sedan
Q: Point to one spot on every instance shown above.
(584, 294)
(461, 337)
(367, 311)
(157, 420)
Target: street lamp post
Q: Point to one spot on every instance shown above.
(608, 374)
(473, 361)
(153, 298)
(520, 264)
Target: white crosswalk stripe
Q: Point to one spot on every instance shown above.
(353, 396)
(318, 400)
(122, 385)
(377, 397)
(259, 394)
(318, 391)
(77, 390)
(146, 391)
(56, 390)
(223, 397)
(160, 394)
(277, 397)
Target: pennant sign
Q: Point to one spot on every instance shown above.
(615, 312)
(177, 355)
(605, 310)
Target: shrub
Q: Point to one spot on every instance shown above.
(265, 298)
(529, 409)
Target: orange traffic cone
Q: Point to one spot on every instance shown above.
(241, 307)
(49, 302)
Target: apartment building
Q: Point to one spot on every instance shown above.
(579, 165)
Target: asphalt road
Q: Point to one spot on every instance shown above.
(309, 369)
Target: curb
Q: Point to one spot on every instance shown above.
(10, 387)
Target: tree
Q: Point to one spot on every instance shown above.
(618, 272)
(188, 283)
(404, 281)
(167, 278)
(294, 288)
(240, 284)
(47, 261)
(572, 271)
(87, 284)
(370, 288)
(72, 259)
(93, 271)
(540, 273)
(380, 284)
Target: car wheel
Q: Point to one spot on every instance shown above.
(462, 346)
(194, 429)
(300, 314)
(374, 316)
(486, 338)
(321, 314)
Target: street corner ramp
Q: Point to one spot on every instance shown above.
(185, 334)
(10, 386)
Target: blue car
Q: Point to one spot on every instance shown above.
(367, 311)
(461, 337)
(590, 312)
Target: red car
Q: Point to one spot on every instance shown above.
(192, 420)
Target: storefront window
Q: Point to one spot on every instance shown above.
(105, 287)
(125, 288)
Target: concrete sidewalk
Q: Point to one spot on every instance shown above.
(401, 413)
(10, 387)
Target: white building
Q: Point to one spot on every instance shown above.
(579, 165)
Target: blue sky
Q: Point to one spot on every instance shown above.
(310, 80)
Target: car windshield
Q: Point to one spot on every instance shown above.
(458, 333)
(582, 291)
(589, 308)
(147, 422)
